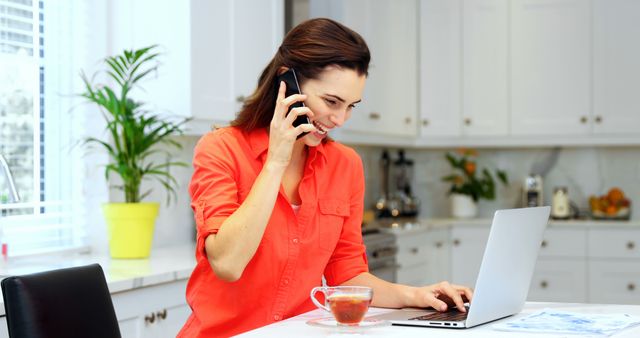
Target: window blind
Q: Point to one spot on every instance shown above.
(40, 42)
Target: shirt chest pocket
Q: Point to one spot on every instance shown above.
(333, 213)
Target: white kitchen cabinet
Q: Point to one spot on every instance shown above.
(463, 68)
(561, 267)
(389, 103)
(440, 53)
(156, 311)
(550, 67)
(614, 266)
(467, 250)
(559, 280)
(616, 108)
(214, 51)
(423, 257)
(485, 110)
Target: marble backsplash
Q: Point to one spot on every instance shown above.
(584, 171)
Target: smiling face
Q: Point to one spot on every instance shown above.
(331, 97)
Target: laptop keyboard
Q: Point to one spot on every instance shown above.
(449, 316)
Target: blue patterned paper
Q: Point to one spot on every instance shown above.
(553, 321)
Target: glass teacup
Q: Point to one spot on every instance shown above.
(348, 304)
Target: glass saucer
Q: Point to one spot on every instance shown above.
(331, 323)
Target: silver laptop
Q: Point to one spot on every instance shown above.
(505, 274)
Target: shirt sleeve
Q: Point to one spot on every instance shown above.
(213, 188)
(349, 258)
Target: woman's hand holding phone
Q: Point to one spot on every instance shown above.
(282, 133)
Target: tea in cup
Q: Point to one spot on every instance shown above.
(348, 304)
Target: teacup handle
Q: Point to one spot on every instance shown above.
(315, 301)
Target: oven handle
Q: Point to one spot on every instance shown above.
(385, 252)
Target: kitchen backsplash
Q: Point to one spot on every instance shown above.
(584, 171)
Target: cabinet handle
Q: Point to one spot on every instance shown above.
(467, 121)
(631, 245)
(162, 314)
(149, 319)
(374, 116)
(544, 284)
(543, 244)
(631, 286)
(438, 244)
(583, 120)
(240, 99)
(408, 120)
(425, 122)
(456, 242)
(414, 250)
(598, 119)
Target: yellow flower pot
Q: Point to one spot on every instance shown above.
(130, 227)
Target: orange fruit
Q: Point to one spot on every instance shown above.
(615, 195)
(612, 210)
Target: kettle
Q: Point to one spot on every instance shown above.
(560, 204)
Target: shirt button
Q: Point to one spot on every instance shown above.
(285, 281)
(295, 241)
(276, 317)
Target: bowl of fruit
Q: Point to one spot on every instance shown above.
(612, 206)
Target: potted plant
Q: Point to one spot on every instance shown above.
(134, 137)
(467, 187)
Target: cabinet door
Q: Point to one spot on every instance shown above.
(440, 53)
(559, 280)
(614, 281)
(616, 69)
(484, 64)
(550, 67)
(231, 43)
(389, 102)
(154, 311)
(137, 24)
(467, 249)
(168, 322)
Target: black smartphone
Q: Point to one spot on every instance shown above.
(293, 87)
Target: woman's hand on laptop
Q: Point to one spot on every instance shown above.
(441, 296)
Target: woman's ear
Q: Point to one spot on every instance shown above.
(282, 70)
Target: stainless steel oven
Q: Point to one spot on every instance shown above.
(381, 254)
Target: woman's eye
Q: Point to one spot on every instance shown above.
(331, 102)
(352, 106)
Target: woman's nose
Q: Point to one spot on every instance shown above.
(338, 119)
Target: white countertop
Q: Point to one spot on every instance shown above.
(421, 224)
(163, 266)
(297, 327)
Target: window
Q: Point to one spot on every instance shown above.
(37, 48)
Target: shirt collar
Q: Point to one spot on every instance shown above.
(259, 143)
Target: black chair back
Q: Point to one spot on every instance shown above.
(65, 303)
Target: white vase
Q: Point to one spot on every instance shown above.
(463, 206)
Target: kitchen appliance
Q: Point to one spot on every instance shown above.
(381, 253)
(408, 203)
(560, 203)
(532, 191)
(382, 205)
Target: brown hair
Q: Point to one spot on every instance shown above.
(308, 48)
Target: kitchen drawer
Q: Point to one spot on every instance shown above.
(614, 243)
(612, 281)
(564, 243)
(415, 275)
(559, 280)
(413, 249)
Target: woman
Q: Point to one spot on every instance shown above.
(275, 212)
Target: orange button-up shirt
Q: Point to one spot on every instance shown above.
(324, 237)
